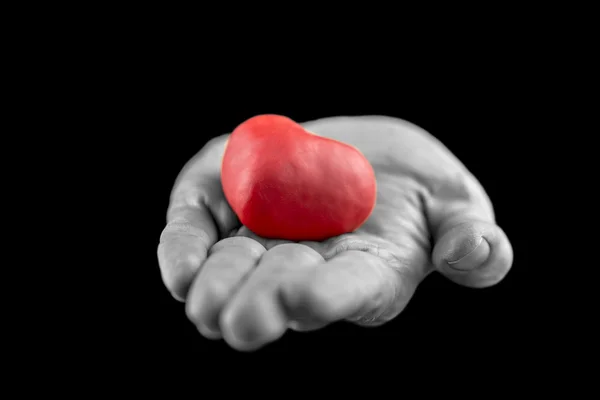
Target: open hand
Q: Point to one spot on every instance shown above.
(431, 214)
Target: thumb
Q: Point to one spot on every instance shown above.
(469, 247)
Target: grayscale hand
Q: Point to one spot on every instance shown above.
(431, 214)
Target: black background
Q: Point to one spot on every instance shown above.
(143, 99)
(170, 109)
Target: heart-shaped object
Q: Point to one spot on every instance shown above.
(287, 183)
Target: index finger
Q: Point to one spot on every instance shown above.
(184, 245)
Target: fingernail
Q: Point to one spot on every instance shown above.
(472, 259)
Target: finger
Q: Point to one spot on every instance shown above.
(228, 263)
(355, 286)
(183, 247)
(469, 247)
(255, 317)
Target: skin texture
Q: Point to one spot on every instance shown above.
(431, 214)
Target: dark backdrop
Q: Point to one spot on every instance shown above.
(172, 111)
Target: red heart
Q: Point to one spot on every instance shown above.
(286, 183)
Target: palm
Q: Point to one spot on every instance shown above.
(254, 288)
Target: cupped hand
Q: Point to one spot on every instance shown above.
(431, 214)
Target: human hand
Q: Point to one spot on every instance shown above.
(431, 214)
